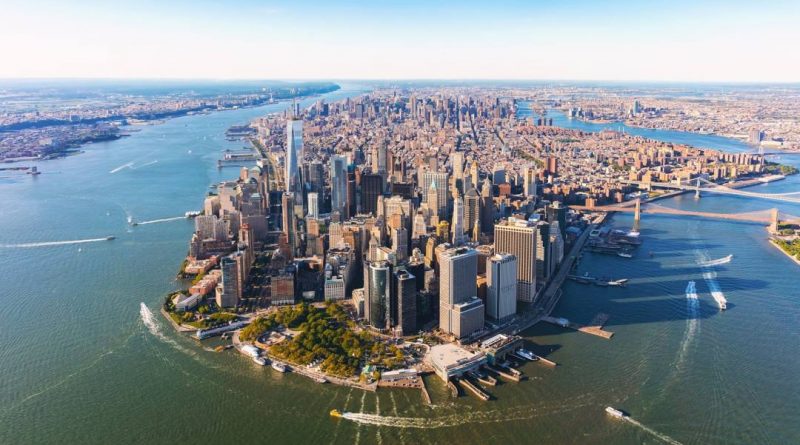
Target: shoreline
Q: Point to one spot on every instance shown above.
(780, 249)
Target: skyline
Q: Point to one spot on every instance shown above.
(572, 41)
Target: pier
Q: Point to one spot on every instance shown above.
(453, 389)
(594, 328)
(547, 362)
(474, 389)
(504, 374)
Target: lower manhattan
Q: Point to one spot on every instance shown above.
(358, 222)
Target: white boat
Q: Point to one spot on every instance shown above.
(250, 350)
(321, 380)
(524, 353)
(260, 361)
(613, 412)
(624, 255)
(620, 282)
(278, 367)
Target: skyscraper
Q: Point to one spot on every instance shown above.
(294, 155)
(371, 189)
(458, 222)
(313, 205)
(339, 185)
(376, 301)
(460, 310)
(405, 299)
(529, 182)
(472, 209)
(501, 282)
(518, 238)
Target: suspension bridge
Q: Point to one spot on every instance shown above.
(706, 186)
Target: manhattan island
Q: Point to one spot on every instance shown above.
(414, 231)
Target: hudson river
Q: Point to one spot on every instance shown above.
(81, 361)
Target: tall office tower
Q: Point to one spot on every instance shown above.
(400, 243)
(376, 302)
(339, 185)
(404, 301)
(458, 222)
(432, 198)
(457, 161)
(294, 156)
(352, 202)
(229, 292)
(472, 209)
(556, 245)
(542, 252)
(473, 173)
(313, 205)
(557, 212)
(529, 182)
(487, 207)
(380, 155)
(518, 238)
(460, 310)
(419, 227)
(314, 176)
(499, 174)
(289, 221)
(371, 189)
(429, 177)
(501, 286)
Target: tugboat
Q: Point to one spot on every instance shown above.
(613, 412)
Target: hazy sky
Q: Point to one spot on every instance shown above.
(555, 39)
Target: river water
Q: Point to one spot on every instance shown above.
(83, 361)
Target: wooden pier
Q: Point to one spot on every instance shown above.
(594, 328)
(453, 389)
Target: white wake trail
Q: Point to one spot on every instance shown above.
(653, 432)
(52, 243)
(161, 220)
(692, 312)
(123, 166)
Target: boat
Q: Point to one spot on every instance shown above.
(321, 380)
(335, 413)
(110, 238)
(192, 214)
(278, 367)
(620, 283)
(613, 412)
(624, 255)
(260, 361)
(524, 353)
(219, 348)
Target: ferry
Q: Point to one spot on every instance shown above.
(260, 361)
(278, 367)
(335, 413)
(524, 353)
(613, 412)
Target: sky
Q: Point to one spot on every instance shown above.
(674, 41)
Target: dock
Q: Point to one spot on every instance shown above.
(477, 392)
(504, 374)
(425, 396)
(595, 327)
(547, 362)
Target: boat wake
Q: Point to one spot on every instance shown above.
(161, 220)
(145, 165)
(717, 262)
(122, 167)
(663, 437)
(152, 325)
(53, 243)
(692, 323)
(460, 418)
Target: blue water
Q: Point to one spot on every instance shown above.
(81, 362)
(678, 137)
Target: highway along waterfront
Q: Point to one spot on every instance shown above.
(83, 362)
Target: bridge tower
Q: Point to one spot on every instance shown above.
(773, 225)
(697, 190)
(637, 215)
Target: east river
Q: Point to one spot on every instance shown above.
(82, 361)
